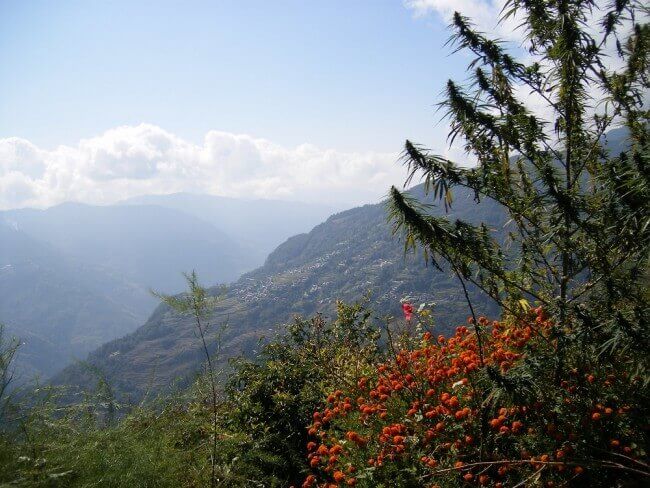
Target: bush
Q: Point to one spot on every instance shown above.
(449, 412)
(261, 427)
(272, 399)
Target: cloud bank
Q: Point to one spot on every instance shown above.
(134, 160)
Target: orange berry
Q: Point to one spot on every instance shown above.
(338, 476)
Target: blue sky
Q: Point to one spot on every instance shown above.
(347, 74)
(340, 84)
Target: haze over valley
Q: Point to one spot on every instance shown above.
(75, 276)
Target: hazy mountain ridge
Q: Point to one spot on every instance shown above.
(147, 244)
(75, 276)
(60, 308)
(351, 254)
(260, 225)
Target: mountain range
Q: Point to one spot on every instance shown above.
(75, 276)
(59, 307)
(353, 254)
(258, 225)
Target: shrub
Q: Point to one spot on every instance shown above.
(272, 398)
(455, 411)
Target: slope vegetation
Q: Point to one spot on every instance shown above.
(350, 255)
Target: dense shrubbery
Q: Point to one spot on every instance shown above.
(326, 399)
(449, 411)
(273, 399)
(261, 430)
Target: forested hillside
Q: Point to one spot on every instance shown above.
(75, 276)
(348, 257)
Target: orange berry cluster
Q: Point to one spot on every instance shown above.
(427, 406)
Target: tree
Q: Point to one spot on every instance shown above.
(579, 212)
(556, 392)
(198, 304)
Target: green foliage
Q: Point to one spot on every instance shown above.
(197, 303)
(166, 445)
(273, 397)
(260, 430)
(579, 227)
(579, 215)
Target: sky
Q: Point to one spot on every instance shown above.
(294, 100)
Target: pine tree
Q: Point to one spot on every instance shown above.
(579, 212)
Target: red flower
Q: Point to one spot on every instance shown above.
(407, 308)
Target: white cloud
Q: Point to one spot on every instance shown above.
(145, 159)
(484, 14)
